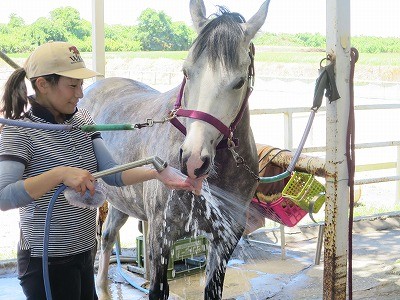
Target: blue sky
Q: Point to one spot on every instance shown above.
(368, 17)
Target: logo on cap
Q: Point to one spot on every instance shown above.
(75, 57)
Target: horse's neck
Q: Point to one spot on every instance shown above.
(243, 131)
(246, 149)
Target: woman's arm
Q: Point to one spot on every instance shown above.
(12, 191)
(15, 192)
(171, 177)
(76, 178)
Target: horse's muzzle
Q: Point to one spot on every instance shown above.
(194, 170)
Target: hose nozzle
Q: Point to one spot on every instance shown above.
(159, 164)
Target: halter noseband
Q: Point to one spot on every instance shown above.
(228, 141)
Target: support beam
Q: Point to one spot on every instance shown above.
(98, 44)
(337, 192)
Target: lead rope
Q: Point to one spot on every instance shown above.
(350, 154)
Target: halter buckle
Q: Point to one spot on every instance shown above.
(230, 141)
(172, 114)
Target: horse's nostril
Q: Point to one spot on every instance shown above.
(183, 162)
(180, 155)
(204, 169)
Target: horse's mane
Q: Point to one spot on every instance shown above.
(221, 36)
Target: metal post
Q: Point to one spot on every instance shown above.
(288, 144)
(283, 241)
(288, 130)
(397, 201)
(337, 192)
(98, 44)
(320, 241)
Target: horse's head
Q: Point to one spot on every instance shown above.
(217, 81)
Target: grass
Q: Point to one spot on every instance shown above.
(364, 210)
(291, 55)
(368, 59)
(176, 55)
(379, 59)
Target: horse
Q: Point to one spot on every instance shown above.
(206, 133)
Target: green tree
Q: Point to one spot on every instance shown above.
(121, 38)
(4, 29)
(183, 36)
(69, 18)
(16, 21)
(44, 30)
(155, 30)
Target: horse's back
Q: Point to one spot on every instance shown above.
(119, 100)
(114, 92)
(109, 86)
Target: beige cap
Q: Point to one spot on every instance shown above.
(57, 58)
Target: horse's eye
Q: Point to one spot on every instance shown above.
(239, 84)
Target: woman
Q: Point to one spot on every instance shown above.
(34, 163)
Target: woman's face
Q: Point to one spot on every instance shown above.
(62, 98)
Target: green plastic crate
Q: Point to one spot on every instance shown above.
(188, 256)
(303, 189)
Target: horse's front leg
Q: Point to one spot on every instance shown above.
(160, 249)
(219, 254)
(114, 221)
(160, 240)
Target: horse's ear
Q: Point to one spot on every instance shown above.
(254, 24)
(198, 13)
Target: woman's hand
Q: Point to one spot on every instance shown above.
(78, 179)
(175, 180)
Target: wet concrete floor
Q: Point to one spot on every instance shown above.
(257, 271)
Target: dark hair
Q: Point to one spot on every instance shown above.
(15, 98)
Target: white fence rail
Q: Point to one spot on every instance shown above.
(289, 114)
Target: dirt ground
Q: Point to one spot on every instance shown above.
(375, 266)
(256, 271)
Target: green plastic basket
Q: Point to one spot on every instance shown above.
(188, 256)
(306, 191)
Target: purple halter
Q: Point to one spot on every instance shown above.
(228, 141)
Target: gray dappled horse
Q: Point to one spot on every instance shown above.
(213, 107)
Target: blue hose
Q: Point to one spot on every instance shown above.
(45, 259)
(275, 178)
(43, 126)
(126, 277)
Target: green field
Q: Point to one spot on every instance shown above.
(294, 54)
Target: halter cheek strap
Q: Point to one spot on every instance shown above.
(203, 116)
(195, 114)
(229, 141)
